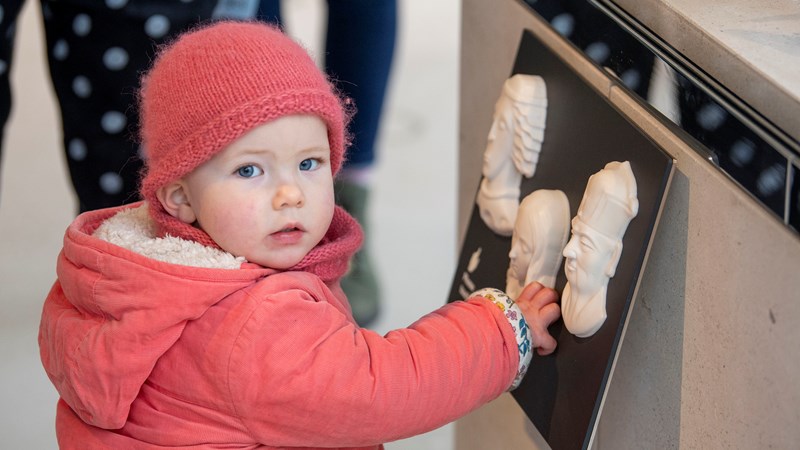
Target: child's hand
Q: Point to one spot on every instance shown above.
(538, 305)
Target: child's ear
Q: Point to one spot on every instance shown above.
(175, 201)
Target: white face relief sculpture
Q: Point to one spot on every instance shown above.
(512, 149)
(540, 233)
(608, 205)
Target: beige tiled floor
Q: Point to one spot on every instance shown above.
(413, 216)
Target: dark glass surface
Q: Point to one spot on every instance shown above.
(731, 135)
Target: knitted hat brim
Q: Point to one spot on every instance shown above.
(207, 140)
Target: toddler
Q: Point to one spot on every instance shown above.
(210, 314)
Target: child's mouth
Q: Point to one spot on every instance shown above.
(289, 234)
(290, 227)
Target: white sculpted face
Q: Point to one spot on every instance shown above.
(540, 232)
(500, 141)
(591, 259)
(499, 192)
(592, 254)
(512, 150)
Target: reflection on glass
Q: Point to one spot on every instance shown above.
(755, 158)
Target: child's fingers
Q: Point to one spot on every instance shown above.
(542, 306)
(543, 297)
(530, 290)
(549, 313)
(545, 343)
(537, 295)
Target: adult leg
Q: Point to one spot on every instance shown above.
(97, 51)
(360, 43)
(270, 11)
(9, 10)
(359, 49)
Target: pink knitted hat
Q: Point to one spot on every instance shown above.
(214, 84)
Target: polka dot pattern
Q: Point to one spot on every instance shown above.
(771, 180)
(631, 78)
(82, 25)
(97, 51)
(115, 58)
(116, 4)
(742, 152)
(82, 87)
(61, 50)
(97, 54)
(113, 122)
(598, 52)
(564, 24)
(111, 183)
(156, 26)
(738, 148)
(47, 12)
(711, 116)
(76, 149)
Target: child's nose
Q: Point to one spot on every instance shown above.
(288, 196)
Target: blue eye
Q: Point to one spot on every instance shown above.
(309, 164)
(248, 171)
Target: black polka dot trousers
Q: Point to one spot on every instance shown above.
(97, 50)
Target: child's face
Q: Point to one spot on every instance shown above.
(268, 196)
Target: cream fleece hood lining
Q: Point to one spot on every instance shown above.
(134, 230)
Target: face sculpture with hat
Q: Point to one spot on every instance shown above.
(592, 253)
(242, 135)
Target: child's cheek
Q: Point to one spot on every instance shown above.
(235, 217)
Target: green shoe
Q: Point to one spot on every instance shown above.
(360, 284)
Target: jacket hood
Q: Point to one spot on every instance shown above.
(122, 299)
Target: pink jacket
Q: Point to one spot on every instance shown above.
(154, 354)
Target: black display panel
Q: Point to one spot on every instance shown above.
(562, 393)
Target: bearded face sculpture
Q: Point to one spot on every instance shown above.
(540, 233)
